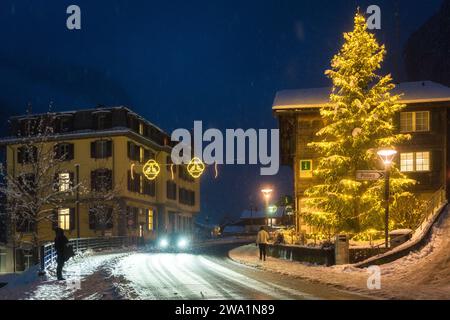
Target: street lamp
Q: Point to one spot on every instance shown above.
(267, 194)
(387, 156)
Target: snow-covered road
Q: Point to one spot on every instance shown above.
(171, 276)
(188, 276)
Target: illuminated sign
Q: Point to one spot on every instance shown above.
(151, 170)
(306, 169)
(196, 168)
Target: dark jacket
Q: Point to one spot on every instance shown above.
(60, 244)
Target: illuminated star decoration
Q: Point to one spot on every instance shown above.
(196, 168)
(151, 170)
(132, 171)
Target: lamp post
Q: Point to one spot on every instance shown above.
(387, 156)
(267, 192)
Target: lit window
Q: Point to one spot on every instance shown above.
(422, 121)
(422, 161)
(407, 162)
(64, 219)
(150, 220)
(415, 121)
(64, 182)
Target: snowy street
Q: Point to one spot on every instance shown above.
(139, 275)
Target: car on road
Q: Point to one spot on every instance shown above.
(174, 242)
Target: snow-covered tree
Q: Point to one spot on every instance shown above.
(34, 190)
(358, 121)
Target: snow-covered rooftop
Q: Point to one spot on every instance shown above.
(413, 92)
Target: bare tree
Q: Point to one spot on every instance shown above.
(35, 189)
(103, 201)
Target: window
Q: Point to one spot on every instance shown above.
(186, 197)
(150, 220)
(134, 152)
(101, 149)
(418, 121)
(65, 124)
(171, 190)
(419, 161)
(422, 161)
(64, 151)
(149, 187)
(27, 154)
(64, 219)
(64, 180)
(101, 180)
(103, 120)
(306, 169)
(407, 162)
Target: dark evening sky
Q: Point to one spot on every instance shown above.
(174, 62)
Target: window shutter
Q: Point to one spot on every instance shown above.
(129, 180)
(92, 220)
(109, 148)
(110, 222)
(56, 152)
(55, 219)
(72, 218)
(129, 149)
(109, 175)
(56, 182)
(93, 153)
(71, 154)
(135, 218)
(93, 180)
(72, 179)
(20, 155)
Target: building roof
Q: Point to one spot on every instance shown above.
(248, 214)
(413, 92)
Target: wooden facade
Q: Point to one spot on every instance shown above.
(299, 122)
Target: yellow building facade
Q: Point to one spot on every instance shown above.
(114, 143)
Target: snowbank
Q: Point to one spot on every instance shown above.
(420, 275)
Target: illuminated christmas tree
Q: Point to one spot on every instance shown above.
(358, 121)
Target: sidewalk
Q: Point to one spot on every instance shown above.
(420, 275)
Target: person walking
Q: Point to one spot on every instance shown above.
(262, 240)
(60, 248)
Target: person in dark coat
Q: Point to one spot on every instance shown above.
(60, 247)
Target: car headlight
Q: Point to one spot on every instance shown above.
(182, 243)
(163, 243)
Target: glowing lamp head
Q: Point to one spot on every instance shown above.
(387, 156)
(266, 193)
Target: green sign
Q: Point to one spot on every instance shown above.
(306, 165)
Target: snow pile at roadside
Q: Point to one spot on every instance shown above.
(420, 275)
(30, 286)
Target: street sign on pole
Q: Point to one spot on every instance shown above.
(369, 175)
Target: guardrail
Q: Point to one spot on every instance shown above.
(48, 252)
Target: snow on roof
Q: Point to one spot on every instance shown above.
(413, 92)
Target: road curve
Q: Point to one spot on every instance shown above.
(212, 275)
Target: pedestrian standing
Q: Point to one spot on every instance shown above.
(262, 240)
(60, 248)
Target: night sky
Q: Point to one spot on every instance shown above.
(174, 62)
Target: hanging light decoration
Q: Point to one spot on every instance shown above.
(151, 170)
(196, 168)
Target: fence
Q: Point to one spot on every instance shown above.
(48, 252)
